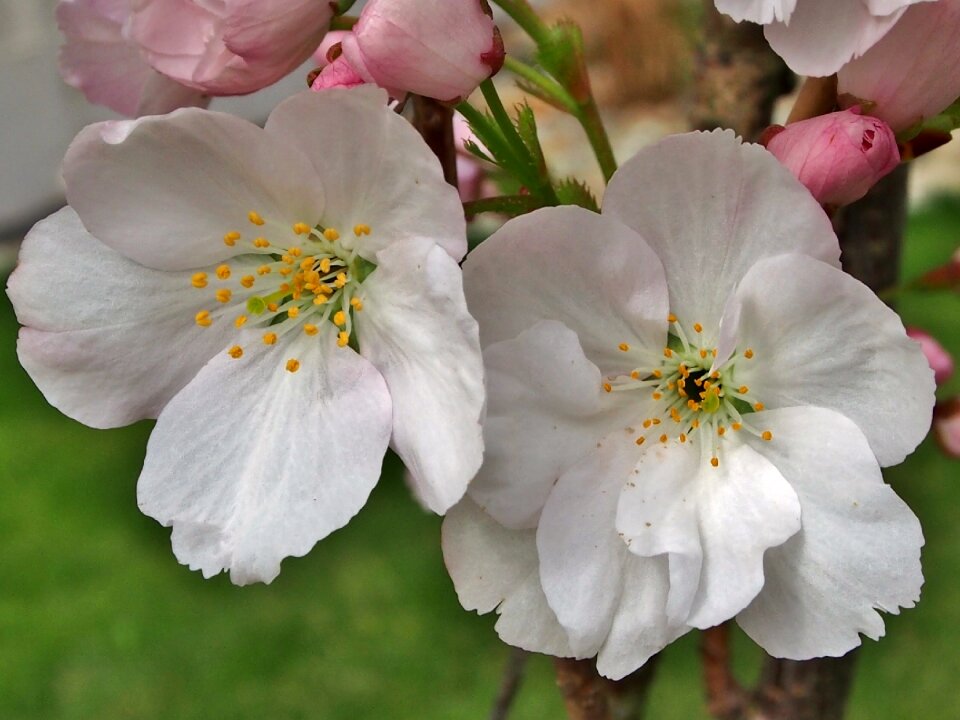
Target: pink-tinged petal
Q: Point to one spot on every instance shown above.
(496, 568)
(941, 362)
(888, 7)
(321, 54)
(279, 33)
(545, 410)
(165, 190)
(591, 273)
(946, 426)
(909, 76)
(337, 74)
(251, 463)
(415, 329)
(758, 11)
(581, 555)
(822, 36)
(714, 523)
(640, 626)
(858, 551)
(710, 207)
(390, 182)
(839, 156)
(829, 341)
(124, 343)
(439, 50)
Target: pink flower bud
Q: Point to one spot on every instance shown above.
(839, 156)
(441, 50)
(331, 41)
(946, 426)
(338, 73)
(229, 47)
(911, 74)
(940, 360)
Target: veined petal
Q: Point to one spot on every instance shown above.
(110, 341)
(415, 329)
(493, 567)
(165, 190)
(858, 551)
(591, 273)
(830, 342)
(251, 463)
(581, 554)
(712, 206)
(758, 11)
(545, 410)
(391, 182)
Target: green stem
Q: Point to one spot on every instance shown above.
(589, 117)
(551, 89)
(503, 120)
(525, 16)
(511, 205)
(343, 22)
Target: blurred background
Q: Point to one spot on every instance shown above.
(97, 619)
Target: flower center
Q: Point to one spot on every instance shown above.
(692, 398)
(311, 285)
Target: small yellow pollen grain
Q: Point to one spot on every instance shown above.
(301, 228)
(272, 307)
(341, 280)
(269, 338)
(254, 217)
(203, 318)
(640, 440)
(663, 438)
(361, 229)
(343, 339)
(671, 318)
(737, 426)
(240, 321)
(767, 435)
(236, 352)
(293, 365)
(607, 387)
(715, 461)
(263, 270)
(356, 303)
(230, 239)
(293, 312)
(199, 280)
(224, 295)
(340, 318)
(311, 329)
(261, 243)
(748, 353)
(758, 406)
(331, 234)
(223, 272)
(623, 347)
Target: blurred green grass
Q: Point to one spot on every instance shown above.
(97, 619)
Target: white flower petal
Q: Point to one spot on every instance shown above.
(822, 36)
(593, 274)
(415, 329)
(581, 554)
(165, 190)
(545, 410)
(493, 567)
(640, 627)
(829, 341)
(886, 7)
(859, 548)
(390, 181)
(758, 11)
(110, 341)
(251, 463)
(711, 207)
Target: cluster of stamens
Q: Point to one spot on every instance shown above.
(692, 397)
(304, 284)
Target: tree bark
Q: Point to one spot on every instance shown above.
(590, 697)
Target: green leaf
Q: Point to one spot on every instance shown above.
(526, 125)
(571, 191)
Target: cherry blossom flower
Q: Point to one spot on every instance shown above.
(106, 66)
(816, 37)
(285, 301)
(688, 407)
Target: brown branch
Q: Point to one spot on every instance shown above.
(817, 96)
(434, 121)
(590, 697)
(510, 683)
(726, 698)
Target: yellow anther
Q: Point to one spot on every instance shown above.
(319, 299)
(683, 438)
(287, 258)
(247, 281)
(343, 339)
(293, 312)
(236, 352)
(307, 262)
(301, 228)
(293, 365)
(263, 270)
(640, 440)
(758, 406)
(697, 327)
(715, 375)
(254, 217)
(703, 353)
(737, 426)
(667, 353)
(240, 321)
(223, 272)
(261, 243)
(657, 396)
(721, 430)
(635, 374)
(340, 318)
(657, 374)
(224, 295)
(269, 338)
(311, 329)
(663, 438)
(693, 405)
(656, 421)
(715, 461)
(285, 271)
(623, 347)
(203, 318)
(767, 435)
(361, 229)
(325, 265)
(647, 423)
(607, 387)
(296, 251)
(331, 234)
(199, 280)
(272, 307)
(230, 239)
(695, 424)
(743, 390)
(341, 280)
(671, 318)
(356, 303)
(748, 353)
(714, 352)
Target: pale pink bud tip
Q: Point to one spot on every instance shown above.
(839, 156)
(940, 360)
(946, 426)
